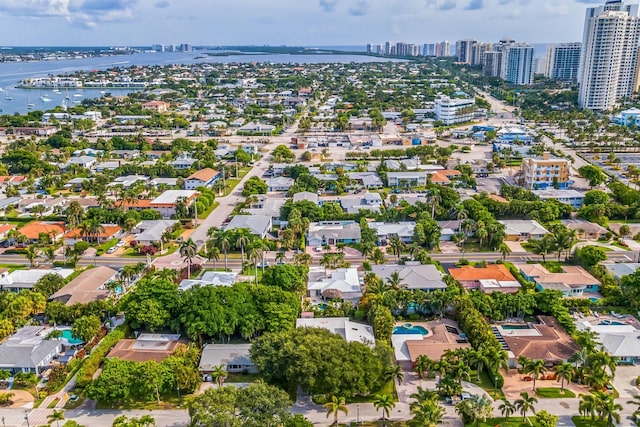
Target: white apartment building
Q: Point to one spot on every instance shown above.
(609, 59)
(454, 110)
(517, 64)
(563, 61)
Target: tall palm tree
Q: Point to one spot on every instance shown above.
(525, 404)
(50, 253)
(589, 405)
(609, 411)
(188, 250)
(564, 372)
(427, 413)
(242, 236)
(507, 409)
(423, 363)
(386, 403)
(334, 407)
(255, 254)
(56, 416)
(394, 281)
(505, 250)
(31, 253)
(213, 254)
(223, 241)
(535, 368)
(280, 257)
(394, 373)
(636, 402)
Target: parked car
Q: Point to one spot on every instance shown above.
(112, 249)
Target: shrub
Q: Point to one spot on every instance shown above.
(80, 247)
(92, 363)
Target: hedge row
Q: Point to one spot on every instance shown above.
(92, 363)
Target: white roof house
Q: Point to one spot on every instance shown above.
(28, 350)
(413, 275)
(343, 283)
(259, 225)
(523, 229)
(25, 279)
(619, 340)
(171, 197)
(151, 231)
(234, 357)
(333, 232)
(350, 331)
(618, 270)
(279, 183)
(210, 278)
(386, 230)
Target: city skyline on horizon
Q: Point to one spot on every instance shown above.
(285, 22)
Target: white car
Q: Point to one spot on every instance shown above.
(112, 249)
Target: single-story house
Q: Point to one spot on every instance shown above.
(166, 203)
(333, 232)
(210, 278)
(109, 231)
(5, 229)
(18, 280)
(146, 347)
(32, 231)
(258, 225)
(573, 281)
(29, 350)
(413, 275)
(90, 285)
(235, 358)
(448, 229)
(347, 329)
(545, 340)
(386, 230)
(203, 178)
(586, 230)
(525, 229)
(344, 284)
(619, 340)
(151, 231)
(305, 195)
(365, 179)
(620, 269)
(444, 334)
(492, 278)
(127, 181)
(279, 183)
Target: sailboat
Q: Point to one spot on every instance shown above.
(29, 104)
(45, 98)
(8, 97)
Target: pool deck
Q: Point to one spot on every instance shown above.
(625, 319)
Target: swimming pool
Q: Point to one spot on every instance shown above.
(69, 338)
(508, 327)
(410, 330)
(612, 322)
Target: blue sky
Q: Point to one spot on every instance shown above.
(291, 22)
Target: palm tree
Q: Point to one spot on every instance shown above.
(609, 411)
(242, 240)
(31, 253)
(50, 253)
(422, 394)
(280, 257)
(394, 281)
(564, 371)
(396, 245)
(219, 374)
(394, 373)
(223, 241)
(255, 254)
(635, 401)
(423, 363)
(56, 416)
(507, 409)
(386, 403)
(427, 413)
(188, 250)
(588, 405)
(525, 404)
(505, 250)
(302, 259)
(213, 254)
(535, 368)
(334, 407)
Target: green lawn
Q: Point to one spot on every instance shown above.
(552, 266)
(586, 422)
(166, 402)
(232, 182)
(553, 393)
(73, 404)
(106, 246)
(206, 213)
(514, 421)
(387, 389)
(487, 385)
(13, 267)
(620, 245)
(242, 378)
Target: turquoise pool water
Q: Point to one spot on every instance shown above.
(611, 322)
(410, 330)
(66, 335)
(508, 327)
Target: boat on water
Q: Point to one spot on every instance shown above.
(56, 91)
(1, 90)
(8, 97)
(45, 98)
(30, 106)
(77, 95)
